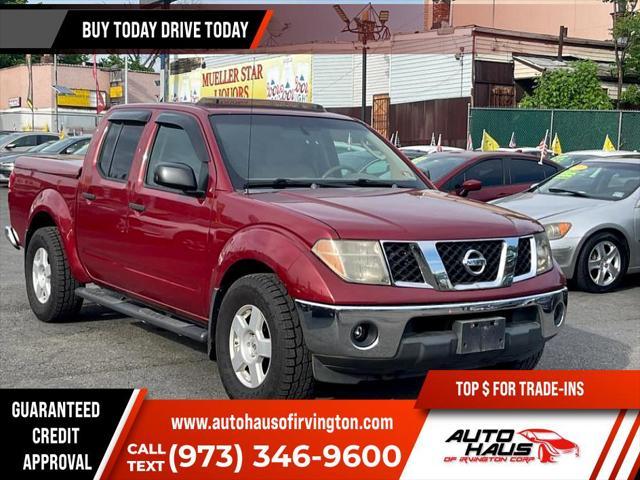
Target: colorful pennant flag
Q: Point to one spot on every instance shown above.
(608, 145)
(489, 144)
(556, 146)
(512, 142)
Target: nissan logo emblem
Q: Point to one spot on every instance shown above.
(474, 262)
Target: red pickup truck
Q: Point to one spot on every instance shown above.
(248, 226)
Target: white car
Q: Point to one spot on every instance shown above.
(416, 151)
(571, 158)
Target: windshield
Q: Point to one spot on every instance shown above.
(42, 146)
(567, 159)
(605, 180)
(68, 146)
(282, 151)
(437, 166)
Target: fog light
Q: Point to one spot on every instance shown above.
(559, 314)
(364, 335)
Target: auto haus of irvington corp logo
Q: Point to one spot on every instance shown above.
(508, 446)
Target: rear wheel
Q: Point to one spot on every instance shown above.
(259, 345)
(602, 263)
(50, 285)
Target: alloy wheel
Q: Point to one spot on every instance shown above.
(604, 263)
(41, 275)
(250, 346)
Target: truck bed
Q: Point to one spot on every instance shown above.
(41, 176)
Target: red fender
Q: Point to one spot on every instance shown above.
(284, 253)
(54, 204)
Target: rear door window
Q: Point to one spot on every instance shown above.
(119, 148)
(526, 171)
(489, 172)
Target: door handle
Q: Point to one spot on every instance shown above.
(88, 196)
(136, 206)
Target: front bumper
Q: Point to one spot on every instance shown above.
(415, 338)
(564, 252)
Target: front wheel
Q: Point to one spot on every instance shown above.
(50, 284)
(259, 344)
(601, 264)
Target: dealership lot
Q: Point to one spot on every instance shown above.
(103, 349)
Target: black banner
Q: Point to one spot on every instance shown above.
(111, 30)
(58, 434)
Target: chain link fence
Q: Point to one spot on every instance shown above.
(577, 129)
(71, 123)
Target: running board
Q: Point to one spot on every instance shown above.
(120, 304)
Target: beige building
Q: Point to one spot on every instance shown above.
(584, 18)
(77, 108)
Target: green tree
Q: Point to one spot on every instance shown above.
(576, 87)
(73, 58)
(137, 62)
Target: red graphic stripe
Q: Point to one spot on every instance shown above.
(625, 448)
(261, 29)
(607, 445)
(124, 433)
(634, 470)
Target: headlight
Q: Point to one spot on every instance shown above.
(544, 260)
(556, 231)
(354, 260)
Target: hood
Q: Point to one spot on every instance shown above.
(394, 214)
(542, 206)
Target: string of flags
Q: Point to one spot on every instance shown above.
(490, 144)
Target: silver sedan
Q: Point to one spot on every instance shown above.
(591, 213)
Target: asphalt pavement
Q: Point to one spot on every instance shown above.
(101, 349)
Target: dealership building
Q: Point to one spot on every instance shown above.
(417, 84)
(65, 98)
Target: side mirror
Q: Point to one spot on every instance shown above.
(10, 146)
(175, 175)
(470, 186)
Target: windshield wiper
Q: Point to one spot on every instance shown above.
(367, 182)
(575, 193)
(280, 183)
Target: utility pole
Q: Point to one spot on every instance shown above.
(126, 79)
(369, 25)
(55, 90)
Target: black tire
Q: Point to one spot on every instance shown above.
(62, 304)
(289, 375)
(528, 363)
(583, 279)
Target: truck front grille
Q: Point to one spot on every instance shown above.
(403, 262)
(523, 263)
(460, 265)
(453, 253)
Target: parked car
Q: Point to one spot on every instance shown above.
(22, 141)
(572, 158)
(591, 215)
(66, 146)
(421, 150)
(234, 223)
(550, 444)
(535, 151)
(485, 176)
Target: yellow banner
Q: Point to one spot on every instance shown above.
(82, 97)
(281, 78)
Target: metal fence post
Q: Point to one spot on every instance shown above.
(620, 131)
(551, 126)
(468, 121)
